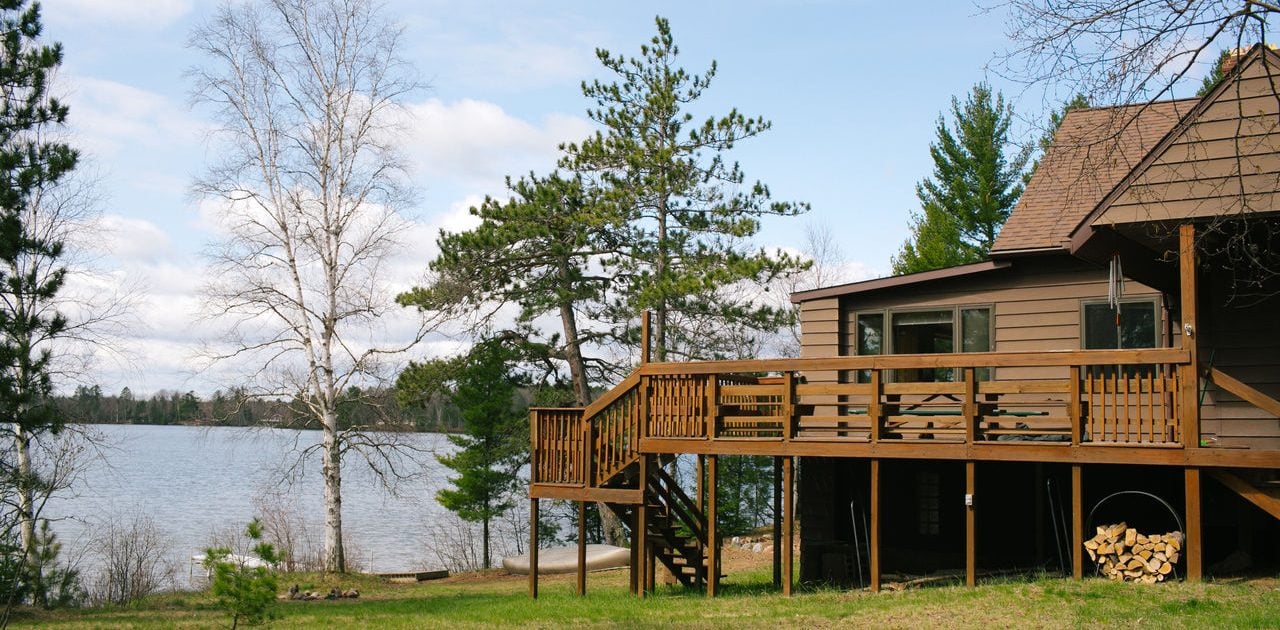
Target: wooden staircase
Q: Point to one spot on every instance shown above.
(677, 526)
(677, 529)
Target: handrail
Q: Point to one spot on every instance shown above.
(1250, 395)
(689, 512)
(618, 391)
(1101, 400)
(1053, 358)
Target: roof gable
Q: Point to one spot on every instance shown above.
(1222, 158)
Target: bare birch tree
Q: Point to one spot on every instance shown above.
(308, 95)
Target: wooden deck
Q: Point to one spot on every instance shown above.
(1111, 406)
(1099, 407)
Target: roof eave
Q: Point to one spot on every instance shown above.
(899, 281)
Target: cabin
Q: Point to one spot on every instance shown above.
(1115, 359)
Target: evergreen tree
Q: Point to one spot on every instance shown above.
(974, 186)
(1056, 117)
(1215, 74)
(495, 444)
(30, 273)
(689, 210)
(534, 251)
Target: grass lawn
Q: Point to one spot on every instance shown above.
(748, 601)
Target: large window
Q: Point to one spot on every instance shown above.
(964, 329)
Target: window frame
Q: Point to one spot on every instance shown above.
(957, 334)
(886, 334)
(1157, 319)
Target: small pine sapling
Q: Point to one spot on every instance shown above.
(246, 589)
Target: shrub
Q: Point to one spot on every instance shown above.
(134, 561)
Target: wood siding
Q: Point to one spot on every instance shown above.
(1037, 307)
(1224, 160)
(1242, 340)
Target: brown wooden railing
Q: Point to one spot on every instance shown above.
(558, 447)
(614, 425)
(1094, 397)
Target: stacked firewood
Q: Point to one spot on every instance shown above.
(1124, 554)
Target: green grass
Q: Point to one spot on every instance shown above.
(748, 601)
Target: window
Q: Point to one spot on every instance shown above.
(923, 332)
(1133, 326)
(870, 339)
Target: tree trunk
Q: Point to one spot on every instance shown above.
(26, 509)
(614, 533)
(660, 316)
(573, 353)
(485, 539)
(335, 560)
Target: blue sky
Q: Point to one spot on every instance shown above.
(853, 90)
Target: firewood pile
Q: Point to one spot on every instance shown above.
(1124, 554)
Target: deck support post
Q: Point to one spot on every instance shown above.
(777, 521)
(533, 548)
(1077, 521)
(1193, 547)
(645, 344)
(1189, 388)
(632, 582)
(640, 535)
(713, 529)
(873, 545)
(970, 526)
(788, 524)
(702, 476)
(582, 548)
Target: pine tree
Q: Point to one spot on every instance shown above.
(1079, 101)
(973, 188)
(689, 210)
(495, 443)
(30, 273)
(534, 251)
(1215, 74)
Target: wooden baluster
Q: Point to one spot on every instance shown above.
(875, 412)
(1073, 403)
(1088, 396)
(588, 475)
(970, 405)
(1125, 407)
(710, 418)
(788, 407)
(1151, 403)
(1115, 411)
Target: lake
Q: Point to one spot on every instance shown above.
(194, 481)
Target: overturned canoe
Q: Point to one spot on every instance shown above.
(565, 559)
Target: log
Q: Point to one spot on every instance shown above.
(1123, 553)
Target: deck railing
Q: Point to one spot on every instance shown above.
(1092, 397)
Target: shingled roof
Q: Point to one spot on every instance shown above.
(1093, 150)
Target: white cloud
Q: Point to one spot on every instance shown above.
(111, 118)
(476, 143)
(130, 239)
(148, 15)
(503, 46)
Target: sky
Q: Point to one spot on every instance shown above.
(853, 89)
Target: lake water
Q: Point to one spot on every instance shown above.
(194, 481)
